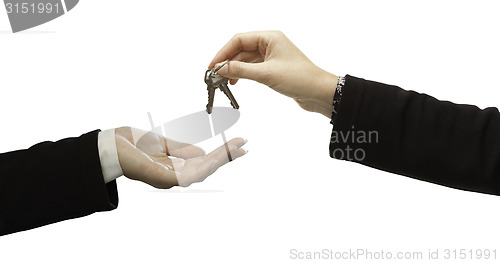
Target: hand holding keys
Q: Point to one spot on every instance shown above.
(214, 81)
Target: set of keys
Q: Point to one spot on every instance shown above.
(215, 81)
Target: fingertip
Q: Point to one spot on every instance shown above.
(212, 64)
(238, 141)
(224, 70)
(200, 152)
(198, 149)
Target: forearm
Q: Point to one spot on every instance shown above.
(418, 136)
(52, 181)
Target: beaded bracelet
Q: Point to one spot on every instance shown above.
(337, 97)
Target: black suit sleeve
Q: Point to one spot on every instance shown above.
(51, 182)
(416, 135)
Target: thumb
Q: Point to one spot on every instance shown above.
(242, 70)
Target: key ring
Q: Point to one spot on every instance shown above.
(219, 67)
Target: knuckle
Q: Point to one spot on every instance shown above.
(278, 33)
(237, 36)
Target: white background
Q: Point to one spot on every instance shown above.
(106, 64)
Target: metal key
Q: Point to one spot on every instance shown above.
(214, 81)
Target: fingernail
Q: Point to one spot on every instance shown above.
(222, 70)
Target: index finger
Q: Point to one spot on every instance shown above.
(251, 41)
(217, 158)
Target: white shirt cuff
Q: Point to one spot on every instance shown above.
(108, 155)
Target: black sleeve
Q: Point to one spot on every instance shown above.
(51, 182)
(416, 135)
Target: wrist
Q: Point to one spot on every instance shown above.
(325, 85)
(108, 155)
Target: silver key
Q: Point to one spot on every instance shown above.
(214, 81)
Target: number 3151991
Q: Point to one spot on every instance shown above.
(27, 8)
